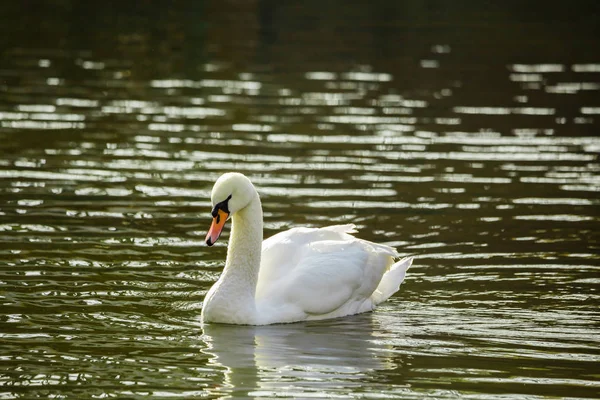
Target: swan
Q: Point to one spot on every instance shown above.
(297, 275)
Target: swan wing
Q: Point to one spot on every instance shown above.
(281, 250)
(310, 273)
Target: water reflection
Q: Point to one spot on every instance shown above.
(320, 358)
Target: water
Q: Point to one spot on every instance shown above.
(465, 135)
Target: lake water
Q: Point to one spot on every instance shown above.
(463, 134)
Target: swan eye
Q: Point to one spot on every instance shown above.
(223, 205)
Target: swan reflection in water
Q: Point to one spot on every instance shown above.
(299, 358)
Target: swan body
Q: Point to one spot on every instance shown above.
(297, 275)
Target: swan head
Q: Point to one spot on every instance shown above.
(232, 192)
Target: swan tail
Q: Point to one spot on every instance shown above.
(391, 280)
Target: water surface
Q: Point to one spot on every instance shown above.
(463, 135)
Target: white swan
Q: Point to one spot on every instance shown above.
(300, 274)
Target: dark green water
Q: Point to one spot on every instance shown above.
(464, 134)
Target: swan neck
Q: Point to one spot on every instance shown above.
(245, 242)
(232, 298)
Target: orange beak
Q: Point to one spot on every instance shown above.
(216, 227)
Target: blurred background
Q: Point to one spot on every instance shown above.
(464, 133)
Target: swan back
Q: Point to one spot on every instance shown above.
(309, 273)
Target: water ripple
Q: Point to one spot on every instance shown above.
(477, 160)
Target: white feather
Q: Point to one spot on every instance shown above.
(296, 275)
